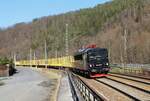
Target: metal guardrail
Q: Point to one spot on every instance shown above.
(133, 71)
(73, 91)
(87, 93)
(127, 70)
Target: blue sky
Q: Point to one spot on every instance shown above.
(15, 11)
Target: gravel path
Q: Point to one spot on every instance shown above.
(26, 85)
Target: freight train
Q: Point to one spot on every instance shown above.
(91, 62)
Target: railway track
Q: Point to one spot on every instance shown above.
(130, 75)
(113, 88)
(136, 79)
(134, 89)
(132, 83)
(98, 91)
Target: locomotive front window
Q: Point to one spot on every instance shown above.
(97, 56)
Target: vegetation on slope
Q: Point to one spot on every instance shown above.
(4, 61)
(105, 25)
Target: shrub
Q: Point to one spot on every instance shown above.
(4, 61)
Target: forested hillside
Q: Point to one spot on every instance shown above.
(122, 26)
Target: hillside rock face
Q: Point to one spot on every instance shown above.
(122, 26)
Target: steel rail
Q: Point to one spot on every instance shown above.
(148, 83)
(146, 91)
(126, 94)
(131, 75)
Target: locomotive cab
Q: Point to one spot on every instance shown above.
(97, 60)
(92, 61)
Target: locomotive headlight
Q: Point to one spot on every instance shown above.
(107, 64)
(90, 65)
